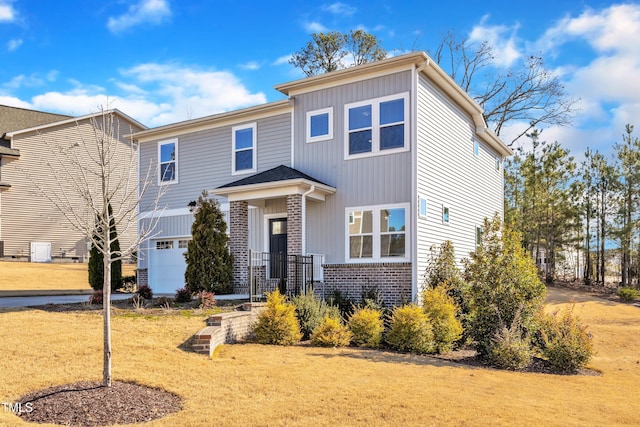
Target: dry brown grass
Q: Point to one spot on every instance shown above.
(267, 385)
(17, 276)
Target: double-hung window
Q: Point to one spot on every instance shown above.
(378, 126)
(167, 158)
(244, 149)
(377, 233)
(320, 125)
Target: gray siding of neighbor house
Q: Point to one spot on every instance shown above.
(366, 181)
(28, 217)
(204, 163)
(449, 173)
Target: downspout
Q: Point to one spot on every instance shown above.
(304, 218)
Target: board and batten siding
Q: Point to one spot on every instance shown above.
(28, 217)
(450, 174)
(375, 180)
(204, 159)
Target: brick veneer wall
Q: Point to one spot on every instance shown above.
(294, 224)
(142, 276)
(239, 241)
(393, 280)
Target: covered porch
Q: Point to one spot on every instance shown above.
(282, 262)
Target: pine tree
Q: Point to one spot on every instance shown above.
(96, 261)
(209, 262)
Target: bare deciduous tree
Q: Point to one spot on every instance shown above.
(528, 93)
(90, 173)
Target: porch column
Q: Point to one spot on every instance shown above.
(294, 224)
(239, 244)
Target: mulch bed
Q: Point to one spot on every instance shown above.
(538, 365)
(91, 404)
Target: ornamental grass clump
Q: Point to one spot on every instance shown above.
(310, 311)
(277, 323)
(566, 343)
(366, 326)
(410, 330)
(441, 309)
(331, 333)
(510, 348)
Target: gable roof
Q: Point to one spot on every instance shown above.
(70, 119)
(14, 118)
(279, 173)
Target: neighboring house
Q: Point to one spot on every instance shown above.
(31, 227)
(366, 167)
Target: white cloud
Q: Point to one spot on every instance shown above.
(283, 60)
(14, 44)
(22, 80)
(314, 27)
(7, 12)
(251, 65)
(339, 8)
(501, 37)
(145, 11)
(190, 92)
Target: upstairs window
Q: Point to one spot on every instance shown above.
(376, 127)
(445, 214)
(476, 148)
(167, 156)
(244, 149)
(320, 125)
(422, 206)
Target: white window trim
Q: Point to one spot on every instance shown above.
(175, 168)
(376, 258)
(420, 198)
(254, 147)
(448, 221)
(318, 138)
(498, 164)
(375, 126)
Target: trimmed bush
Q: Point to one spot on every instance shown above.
(331, 333)
(441, 309)
(366, 326)
(371, 297)
(277, 323)
(410, 330)
(503, 283)
(310, 311)
(183, 295)
(566, 343)
(96, 297)
(509, 349)
(145, 292)
(628, 294)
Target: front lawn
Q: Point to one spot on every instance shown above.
(268, 385)
(18, 276)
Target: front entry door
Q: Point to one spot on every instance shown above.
(278, 250)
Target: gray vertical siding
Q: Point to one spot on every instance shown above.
(359, 182)
(204, 158)
(449, 173)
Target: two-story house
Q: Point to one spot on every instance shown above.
(31, 227)
(367, 167)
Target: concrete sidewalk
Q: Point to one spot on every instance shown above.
(45, 292)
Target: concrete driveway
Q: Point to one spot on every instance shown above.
(28, 301)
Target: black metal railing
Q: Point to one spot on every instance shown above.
(291, 274)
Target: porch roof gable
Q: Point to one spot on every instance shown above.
(277, 182)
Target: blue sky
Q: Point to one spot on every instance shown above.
(162, 61)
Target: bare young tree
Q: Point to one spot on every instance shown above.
(528, 92)
(90, 172)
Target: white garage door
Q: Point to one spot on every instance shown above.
(166, 265)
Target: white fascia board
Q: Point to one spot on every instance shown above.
(275, 189)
